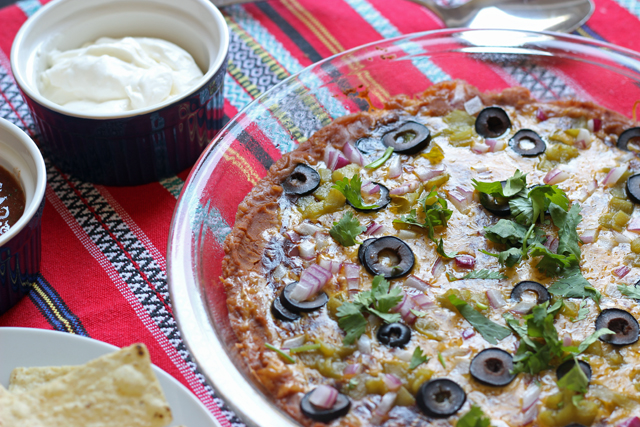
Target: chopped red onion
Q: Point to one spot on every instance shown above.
(529, 416)
(589, 235)
(465, 261)
(352, 369)
(468, 333)
(427, 174)
(474, 105)
(293, 342)
(392, 382)
(322, 240)
(351, 270)
(584, 139)
(566, 340)
(364, 343)
(373, 228)
(307, 249)
(634, 225)
(620, 238)
(495, 144)
(416, 283)
(395, 167)
(461, 198)
(555, 176)
(385, 404)
(438, 268)
(406, 188)
(293, 236)
(324, 396)
(353, 154)
(541, 115)
(370, 188)
(307, 229)
(630, 422)
(334, 158)
(614, 175)
(330, 265)
(480, 148)
(404, 308)
(496, 300)
(422, 301)
(406, 234)
(312, 280)
(592, 187)
(621, 271)
(594, 125)
(530, 397)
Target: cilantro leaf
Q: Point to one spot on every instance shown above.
(385, 299)
(484, 274)
(474, 418)
(490, 188)
(567, 223)
(574, 380)
(574, 285)
(593, 338)
(511, 187)
(440, 250)
(490, 331)
(515, 324)
(506, 232)
(352, 191)
(552, 264)
(522, 210)
(542, 196)
(417, 358)
(629, 291)
(583, 310)
(509, 257)
(352, 321)
(347, 229)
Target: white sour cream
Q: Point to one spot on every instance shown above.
(118, 75)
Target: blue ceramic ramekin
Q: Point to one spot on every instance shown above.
(138, 146)
(20, 246)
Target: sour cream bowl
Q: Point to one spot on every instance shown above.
(20, 246)
(141, 145)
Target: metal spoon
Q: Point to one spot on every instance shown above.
(535, 15)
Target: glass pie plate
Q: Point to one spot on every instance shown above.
(550, 65)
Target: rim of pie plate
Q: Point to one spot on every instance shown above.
(202, 217)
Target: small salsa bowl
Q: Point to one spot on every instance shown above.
(137, 146)
(20, 246)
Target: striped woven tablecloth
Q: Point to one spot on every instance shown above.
(103, 263)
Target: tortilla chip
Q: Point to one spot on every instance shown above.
(119, 389)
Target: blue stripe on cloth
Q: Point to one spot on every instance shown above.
(387, 30)
(235, 94)
(29, 7)
(632, 6)
(54, 309)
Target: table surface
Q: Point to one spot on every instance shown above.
(112, 285)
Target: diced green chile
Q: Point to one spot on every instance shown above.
(622, 323)
(301, 306)
(629, 136)
(398, 254)
(339, 409)
(492, 367)
(302, 181)
(527, 143)
(633, 188)
(409, 138)
(492, 122)
(440, 398)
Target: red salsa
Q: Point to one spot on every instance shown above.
(12, 200)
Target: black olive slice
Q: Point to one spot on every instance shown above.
(564, 368)
(633, 188)
(381, 203)
(527, 143)
(394, 334)
(628, 136)
(409, 138)
(530, 286)
(492, 122)
(302, 181)
(388, 256)
(575, 425)
(622, 323)
(492, 367)
(363, 247)
(280, 312)
(440, 398)
(499, 206)
(339, 409)
(298, 306)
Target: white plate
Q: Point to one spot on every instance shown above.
(38, 347)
